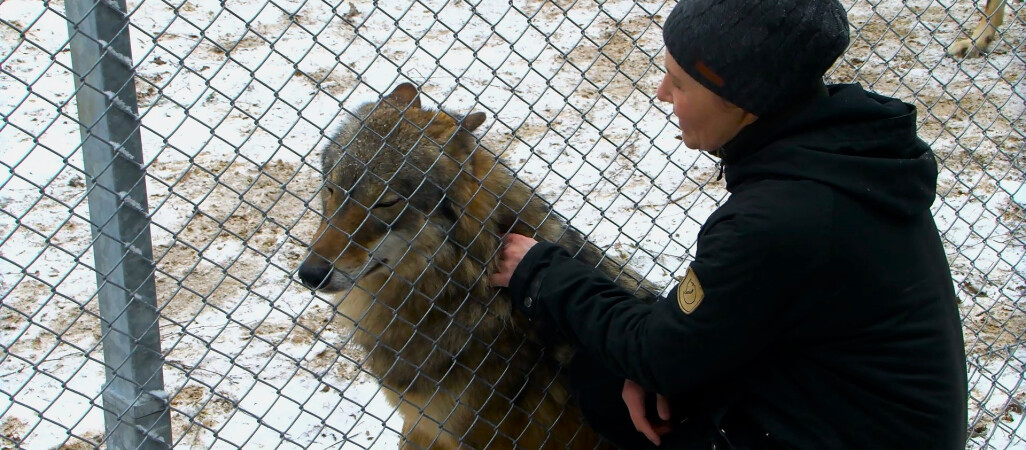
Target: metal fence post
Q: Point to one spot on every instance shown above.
(134, 401)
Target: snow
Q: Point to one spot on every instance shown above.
(1016, 189)
(236, 100)
(997, 384)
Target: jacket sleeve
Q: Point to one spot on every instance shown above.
(749, 266)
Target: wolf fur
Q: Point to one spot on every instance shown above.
(414, 211)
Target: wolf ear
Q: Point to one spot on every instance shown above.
(405, 95)
(472, 121)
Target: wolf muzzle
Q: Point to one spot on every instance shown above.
(315, 272)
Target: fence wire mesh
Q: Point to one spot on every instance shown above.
(236, 99)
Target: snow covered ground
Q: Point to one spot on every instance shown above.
(235, 103)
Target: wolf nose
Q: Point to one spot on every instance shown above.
(314, 272)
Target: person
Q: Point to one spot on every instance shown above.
(819, 310)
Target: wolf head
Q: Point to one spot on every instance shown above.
(388, 173)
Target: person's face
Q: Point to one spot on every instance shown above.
(707, 121)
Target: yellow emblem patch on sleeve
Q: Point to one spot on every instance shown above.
(689, 293)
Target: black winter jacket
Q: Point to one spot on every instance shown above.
(823, 313)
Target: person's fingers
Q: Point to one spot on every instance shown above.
(513, 240)
(511, 251)
(663, 407)
(634, 397)
(662, 429)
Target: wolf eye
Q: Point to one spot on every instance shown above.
(386, 204)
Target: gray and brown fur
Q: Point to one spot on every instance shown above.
(414, 211)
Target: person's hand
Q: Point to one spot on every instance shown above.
(634, 398)
(511, 252)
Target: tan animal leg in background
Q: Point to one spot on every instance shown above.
(983, 35)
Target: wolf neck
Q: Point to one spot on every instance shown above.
(435, 303)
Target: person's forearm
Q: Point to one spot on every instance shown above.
(581, 302)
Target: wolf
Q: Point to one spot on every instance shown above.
(414, 210)
(983, 34)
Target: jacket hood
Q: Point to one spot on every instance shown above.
(858, 142)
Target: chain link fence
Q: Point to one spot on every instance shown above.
(204, 120)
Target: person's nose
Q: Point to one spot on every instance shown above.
(662, 92)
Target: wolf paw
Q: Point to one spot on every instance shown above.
(975, 46)
(964, 48)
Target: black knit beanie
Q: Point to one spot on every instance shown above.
(758, 54)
